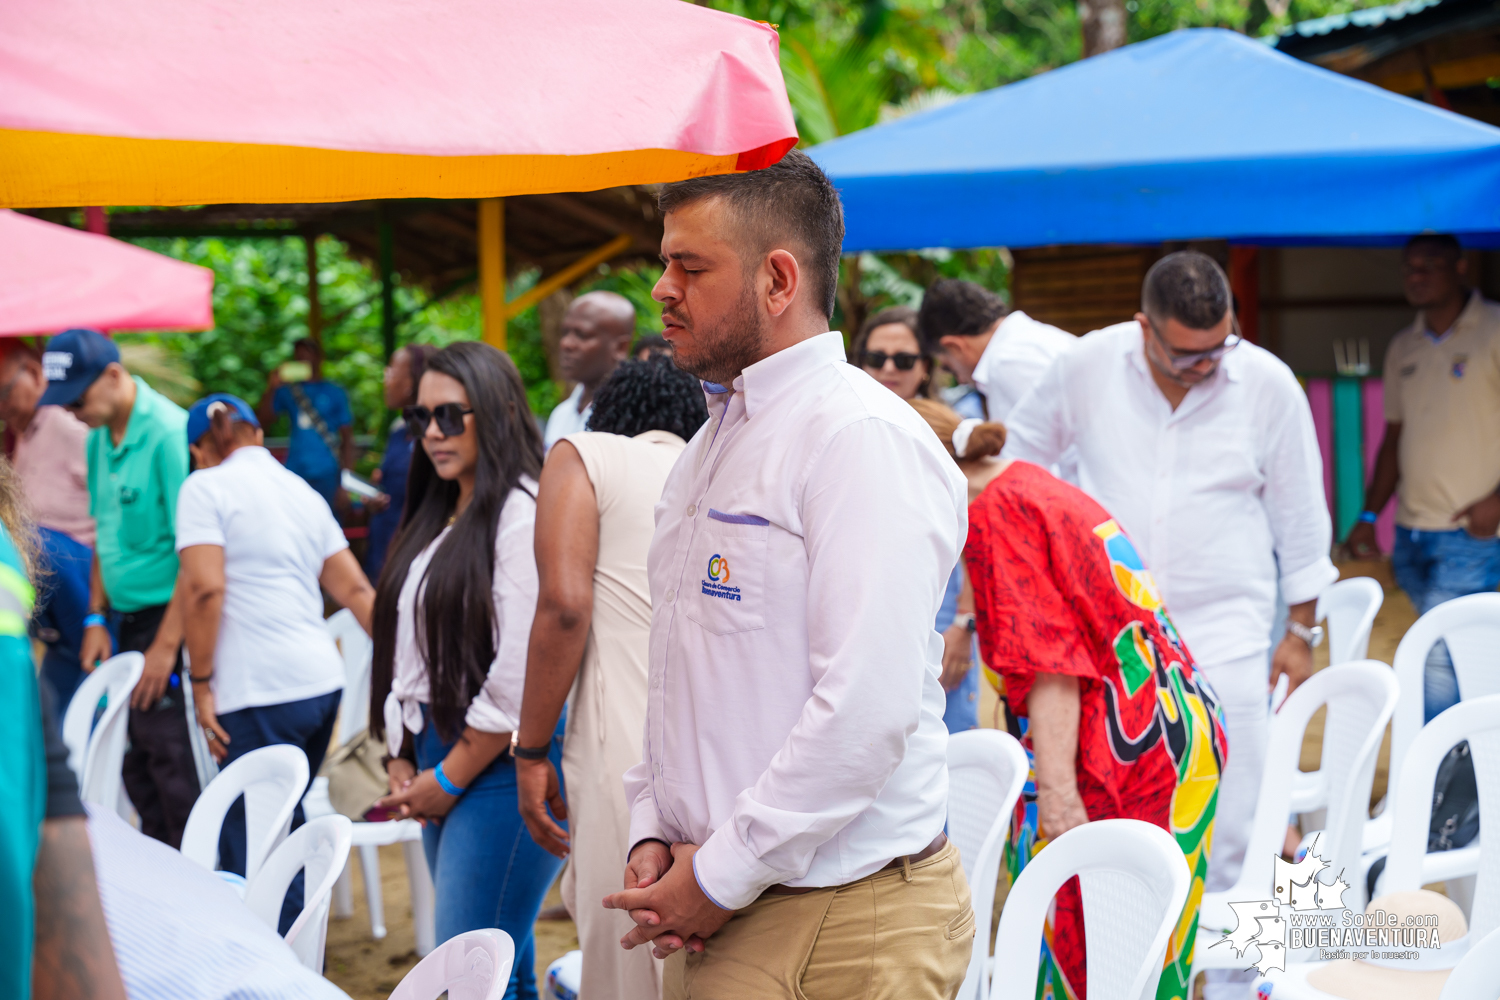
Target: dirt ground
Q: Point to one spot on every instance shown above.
(369, 970)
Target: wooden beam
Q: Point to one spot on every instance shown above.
(492, 270)
(568, 275)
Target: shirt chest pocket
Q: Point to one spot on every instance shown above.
(136, 527)
(726, 573)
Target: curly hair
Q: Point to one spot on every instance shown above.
(652, 395)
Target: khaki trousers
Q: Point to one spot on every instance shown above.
(883, 937)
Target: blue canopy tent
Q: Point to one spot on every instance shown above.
(1199, 134)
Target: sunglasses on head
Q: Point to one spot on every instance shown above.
(449, 417)
(875, 360)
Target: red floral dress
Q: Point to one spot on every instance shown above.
(1060, 589)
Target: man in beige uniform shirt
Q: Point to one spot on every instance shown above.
(1442, 446)
(595, 515)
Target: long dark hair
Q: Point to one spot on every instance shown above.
(456, 627)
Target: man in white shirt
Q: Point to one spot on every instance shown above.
(1002, 353)
(596, 334)
(1202, 447)
(794, 740)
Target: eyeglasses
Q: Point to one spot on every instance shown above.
(1183, 360)
(875, 360)
(449, 417)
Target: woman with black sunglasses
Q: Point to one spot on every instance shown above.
(887, 347)
(453, 614)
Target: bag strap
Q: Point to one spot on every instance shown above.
(330, 440)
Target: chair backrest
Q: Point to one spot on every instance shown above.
(1134, 881)
(1350, 607)
(474, 965)
(1477, 976)
(272, 780)
(1471, 628)
(97, 752)
(1360, 697)
(321, 848)
(1478, 721)
(986, 772)
(357, 649)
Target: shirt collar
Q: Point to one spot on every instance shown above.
(768, 378)
(248, 452)
(1465, 317)
(141, 414)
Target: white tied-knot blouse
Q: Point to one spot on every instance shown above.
(497, 706)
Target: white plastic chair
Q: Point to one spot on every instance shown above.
(986, 773)
(321, 847)
(1478, 721)
(1134, 881)
(356, 648)
(1470, 626)
(272, 780)
(1349, 606)
(97, 753)
(474, 965)
(1477, 975)
(1360, 697)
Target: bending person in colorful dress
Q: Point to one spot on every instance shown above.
(1116, 718)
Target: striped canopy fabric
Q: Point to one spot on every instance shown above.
(165, 102)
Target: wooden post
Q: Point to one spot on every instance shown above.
(1244, 279)
(492, 269)
(95, 221)
(314, 304)
(387, 287)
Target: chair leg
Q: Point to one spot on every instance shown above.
(369, 867)
(1461, 891)
(343, 895)
(422, 917)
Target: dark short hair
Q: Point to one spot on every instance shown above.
(1189, 287)
(955, 308)
(311, 345)
(653, 342)
(789, 200)
(652, 395)
(1445, 244)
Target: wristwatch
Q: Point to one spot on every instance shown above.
(966, 620)
(526, 753)
(1312, 636)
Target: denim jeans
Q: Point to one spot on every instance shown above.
(486, 869)
(1437, 566)
(307, 725)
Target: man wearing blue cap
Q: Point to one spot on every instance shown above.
(137, 460)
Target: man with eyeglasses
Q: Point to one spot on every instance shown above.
(1442, 408)
(1202, 448)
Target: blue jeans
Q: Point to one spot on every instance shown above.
(306, 725)
(963, 703)
(62, 602)
(486, 869)
(1437, 566)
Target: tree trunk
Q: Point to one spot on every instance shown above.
(1103, 24)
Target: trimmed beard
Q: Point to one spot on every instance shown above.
(720, 353)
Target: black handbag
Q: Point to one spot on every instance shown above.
(1455, 809)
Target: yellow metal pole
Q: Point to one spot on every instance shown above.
(567, 275)
(492, 269)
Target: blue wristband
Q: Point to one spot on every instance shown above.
(96, 619)
(444, 783)
(1368, 517)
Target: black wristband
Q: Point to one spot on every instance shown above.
(531, 753)
(202, 680)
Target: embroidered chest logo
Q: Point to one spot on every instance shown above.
(1460, 363)
(717, 584)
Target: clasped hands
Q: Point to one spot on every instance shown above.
(662, 896)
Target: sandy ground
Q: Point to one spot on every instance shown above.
(369, 970)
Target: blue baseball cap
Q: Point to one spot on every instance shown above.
(72, 361)
(200, 414)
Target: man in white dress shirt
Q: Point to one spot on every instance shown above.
(595, 337)
(1202, 447)
(1002, 353)
(793, 787)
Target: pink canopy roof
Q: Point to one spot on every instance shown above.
(162, 102)
(53, 278)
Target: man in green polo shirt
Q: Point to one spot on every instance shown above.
(137, 460)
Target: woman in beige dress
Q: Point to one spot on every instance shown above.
(595, 518)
